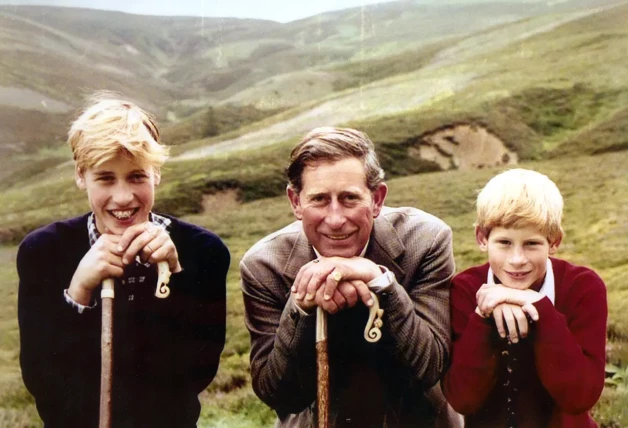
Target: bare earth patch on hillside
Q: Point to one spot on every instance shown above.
(464, 147)
(221, 201)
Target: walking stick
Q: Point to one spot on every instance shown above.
(106, 338)
(372, 333)
(322, 369)
(106, 352)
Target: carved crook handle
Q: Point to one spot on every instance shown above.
(163, 278)
(372, 331)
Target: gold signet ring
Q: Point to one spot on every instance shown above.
(336, 276)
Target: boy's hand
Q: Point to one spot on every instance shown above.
(152, 243)
(491, 295)
(511, 320)
(103, 260)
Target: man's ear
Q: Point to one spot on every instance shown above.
(482, 239)
(554, 245)
(79, 178)
(295, 203)
(379, 196)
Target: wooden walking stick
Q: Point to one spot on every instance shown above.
(106, 352)
(106, 339)
(322, 369)
(372, 333)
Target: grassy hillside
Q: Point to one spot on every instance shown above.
(174, 65)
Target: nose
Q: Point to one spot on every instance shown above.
(518, 256)
(335, 217)
(122, 195)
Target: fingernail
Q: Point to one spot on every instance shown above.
(370, 302)
(119, 248)
(300, 296)
(502, 335)
(125, 261)
(293, 289)
(309, 296)
(327, 297)
(515, 340)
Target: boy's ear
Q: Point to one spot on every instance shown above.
(481, 239)
(554, 245)
(295, 203)
(79, 177)
(157, 177)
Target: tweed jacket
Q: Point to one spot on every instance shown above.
(392, 383)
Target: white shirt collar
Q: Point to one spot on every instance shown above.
(362, 253)
(547, 289)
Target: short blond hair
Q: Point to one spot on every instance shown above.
(520, 198)
(110, 126)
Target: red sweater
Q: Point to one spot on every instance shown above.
(559, 371)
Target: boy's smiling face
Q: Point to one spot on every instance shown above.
(518, 256)
(120, 192)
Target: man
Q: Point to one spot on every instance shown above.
(343, 244)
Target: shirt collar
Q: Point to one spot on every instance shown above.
(94, 234)
(547, 289)
(362, 253)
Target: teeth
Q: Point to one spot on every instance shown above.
(122, 214)
(337, 237)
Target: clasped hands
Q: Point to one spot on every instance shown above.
(334, 283)
(111, 253)
(509, 307)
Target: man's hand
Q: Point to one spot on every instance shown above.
(334, 283)
(511, 320)
(103, 260)
(151, 242)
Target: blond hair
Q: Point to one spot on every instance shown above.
(519, 198)
(328, 144)
(110, 126)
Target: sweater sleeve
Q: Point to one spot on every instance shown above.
(570, 347)
(56, 342)
(472, 374)
(201, 330)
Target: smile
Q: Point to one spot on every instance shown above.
(338, 237)
(123, 214)
(518, 275)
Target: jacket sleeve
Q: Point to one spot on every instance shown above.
(55, 340)
(283, 361)
(472, 374)
(570, 348)
(416, 319)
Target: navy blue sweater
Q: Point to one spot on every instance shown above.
(166, 351)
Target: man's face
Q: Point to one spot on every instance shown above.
(517, 257)
(336, 206)
(120, 193)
